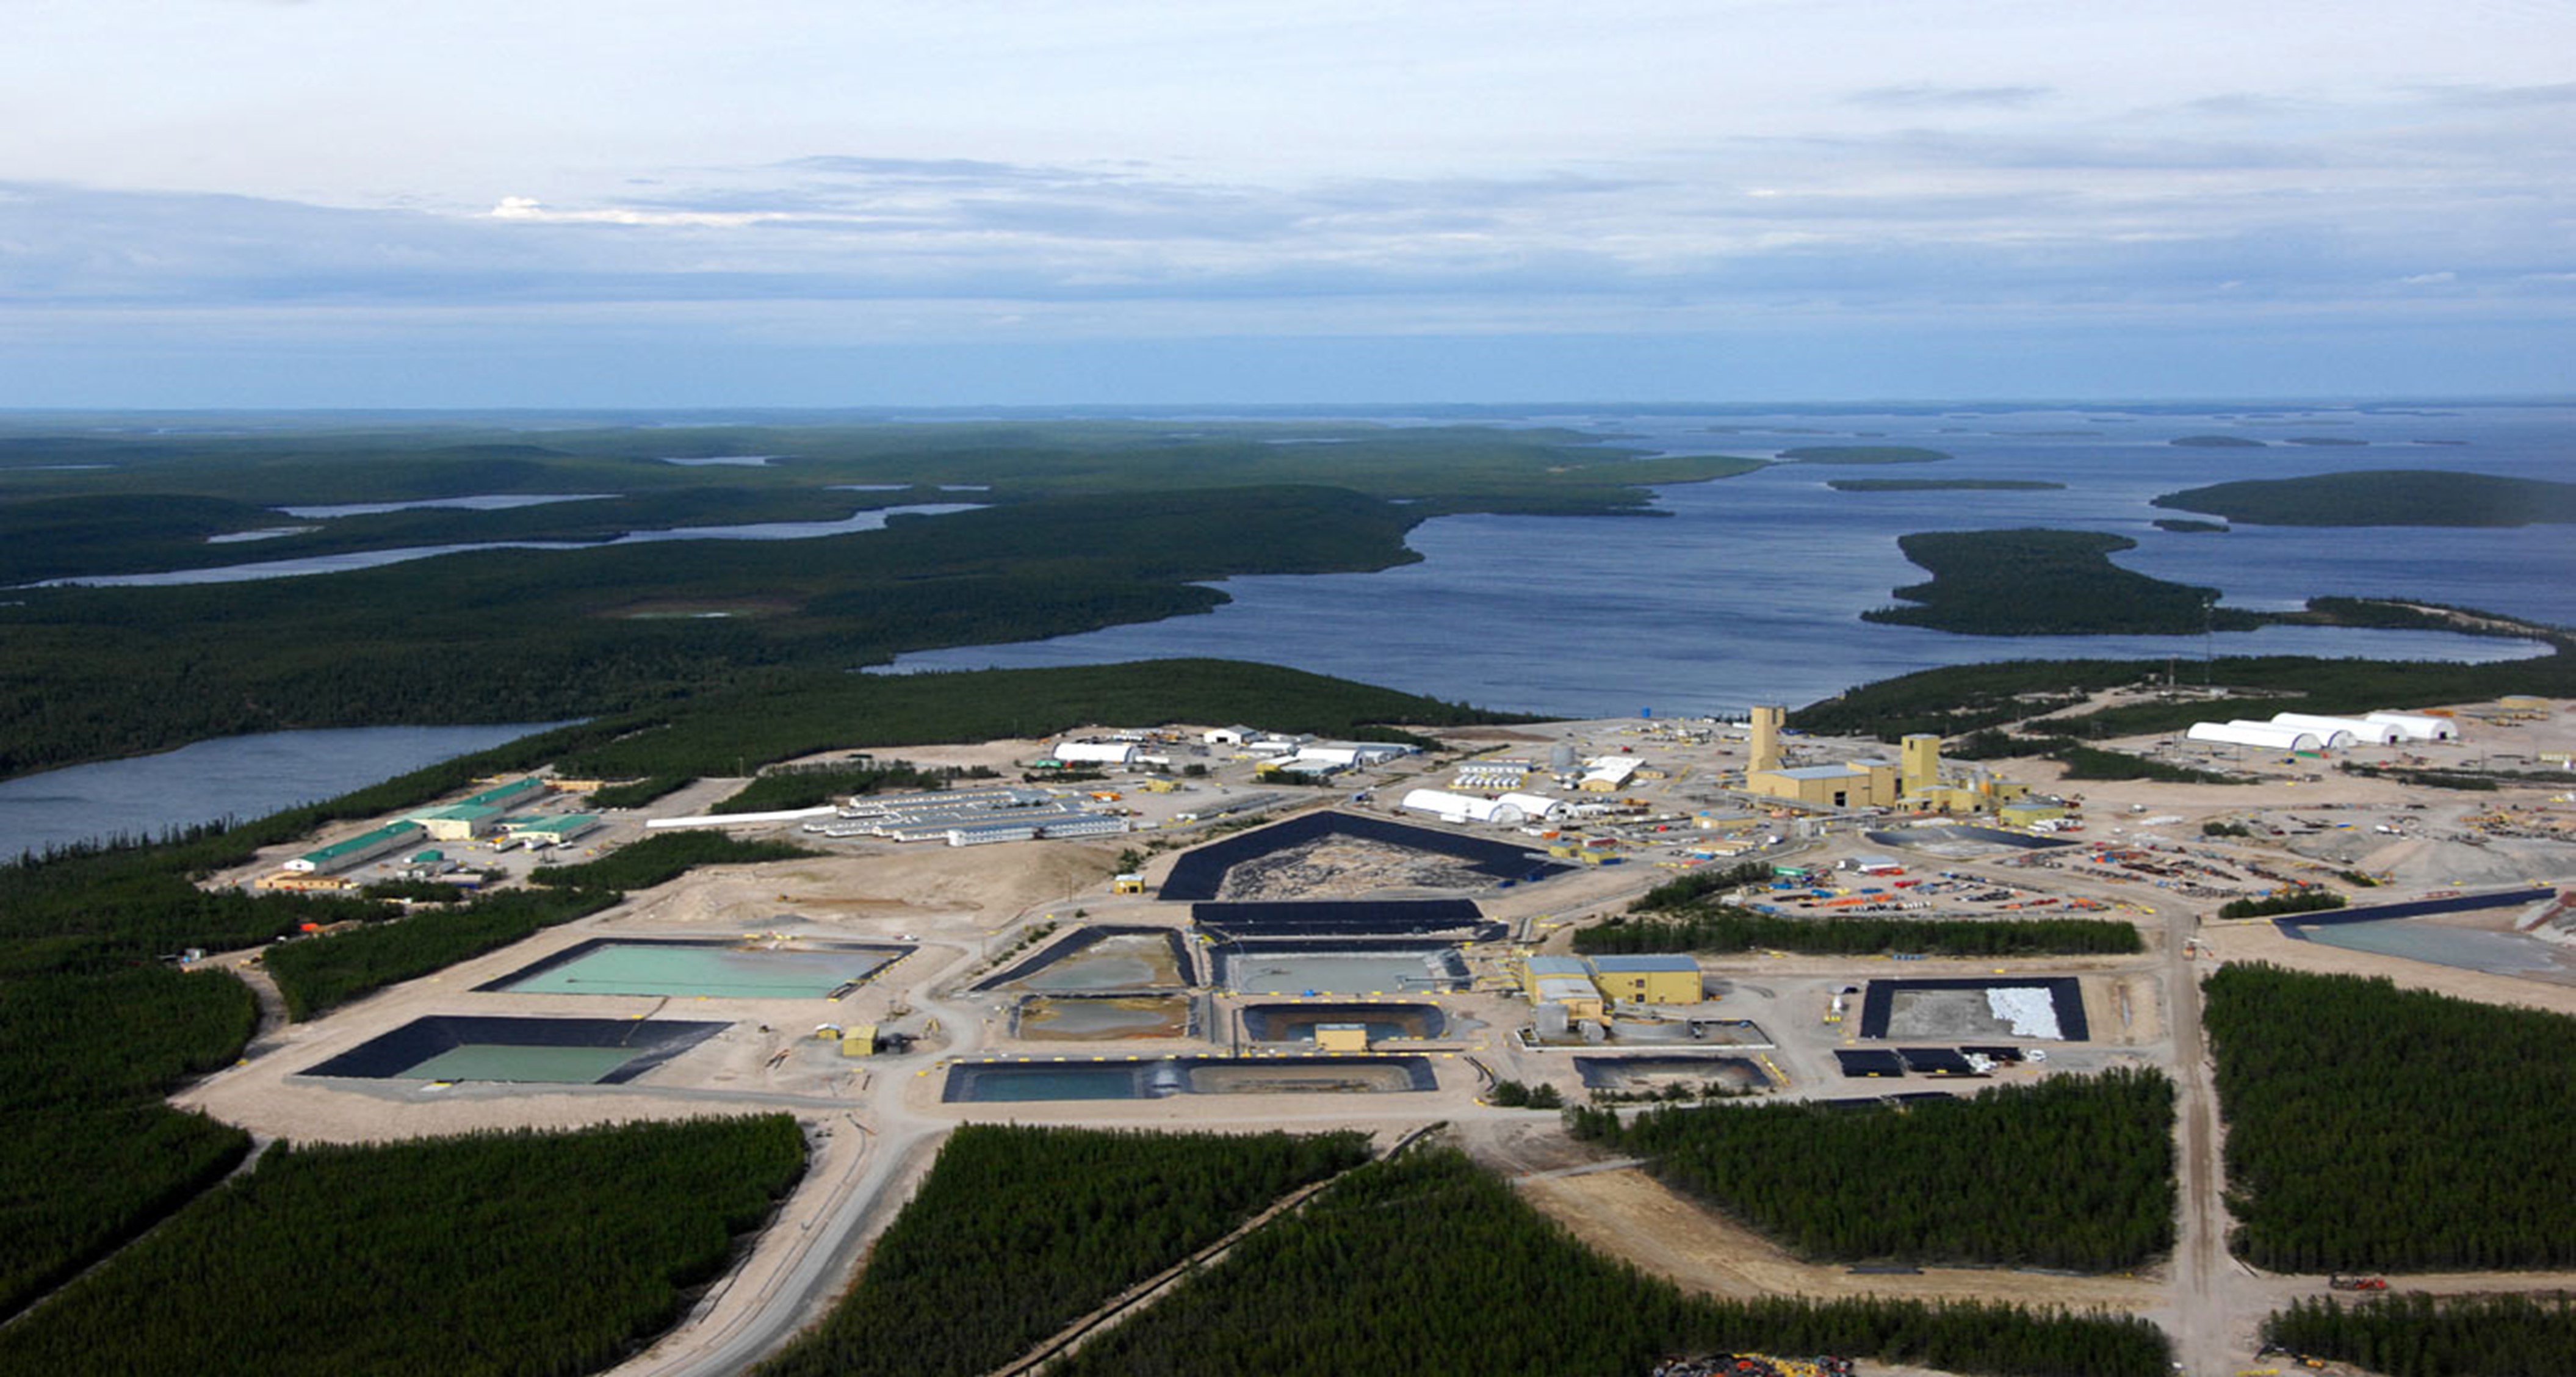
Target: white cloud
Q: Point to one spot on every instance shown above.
(528, 208)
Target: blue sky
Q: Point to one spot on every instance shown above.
(793, 202)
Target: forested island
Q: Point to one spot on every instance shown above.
(2384, 497)
(2038, 582)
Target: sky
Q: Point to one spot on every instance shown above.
(614, 203)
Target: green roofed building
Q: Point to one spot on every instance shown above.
(501, 796)
(357, 850)
(550, 830)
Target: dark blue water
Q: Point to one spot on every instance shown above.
(1752, 589)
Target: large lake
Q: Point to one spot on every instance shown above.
(1751, 589)
(235, 776)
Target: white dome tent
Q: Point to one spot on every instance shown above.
(2263, 735)
(2351, 730)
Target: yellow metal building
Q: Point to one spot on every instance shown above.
(1913, 780)
(1562, 980)
(1647, 979)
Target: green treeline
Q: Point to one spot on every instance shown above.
(1729, 929)
(640, 792)
(2374, 1128)
(2073, 1172)
(2045, 583)
(89, 1156)
(2416, 1335)
(2311, 900)
(2090, 762)
(2383, 497)
(662, 857)
(1017, 1232)
(781, 790)
(1682, 891)
(493, 1254)
(318, 974)
(1429, 1266)
(800, 715)
(1694, 921)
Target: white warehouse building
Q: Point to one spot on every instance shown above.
(1511, 810)
(1119, 753)
(2264, 735)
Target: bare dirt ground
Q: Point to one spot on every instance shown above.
(1628, 1214)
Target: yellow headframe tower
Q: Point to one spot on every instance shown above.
(1921, 766)
(1767, 718)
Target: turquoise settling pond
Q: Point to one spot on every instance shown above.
(712, 970)
(554, 1051)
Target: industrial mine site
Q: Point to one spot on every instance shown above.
(1552, 945)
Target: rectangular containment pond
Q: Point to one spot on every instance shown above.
(2442, 944)
(1300, 968)
(987, 1082)
(713, 968)
(1297, 1022)
(562, 1051)
(1092, 960)
(1104, 1018)
(1632, 1074)
(2042, 1007)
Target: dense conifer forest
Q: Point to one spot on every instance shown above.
(318, 974)
(2418, 1335)
(2383, 497)
(89, 1155)
(1428, 1266)
(2045, 583)
(460, 1257)
(1017, 1232)
(2374, 1128)
(2069, 1172)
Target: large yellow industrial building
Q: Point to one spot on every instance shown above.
(1588, 988)
(1914, 780)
